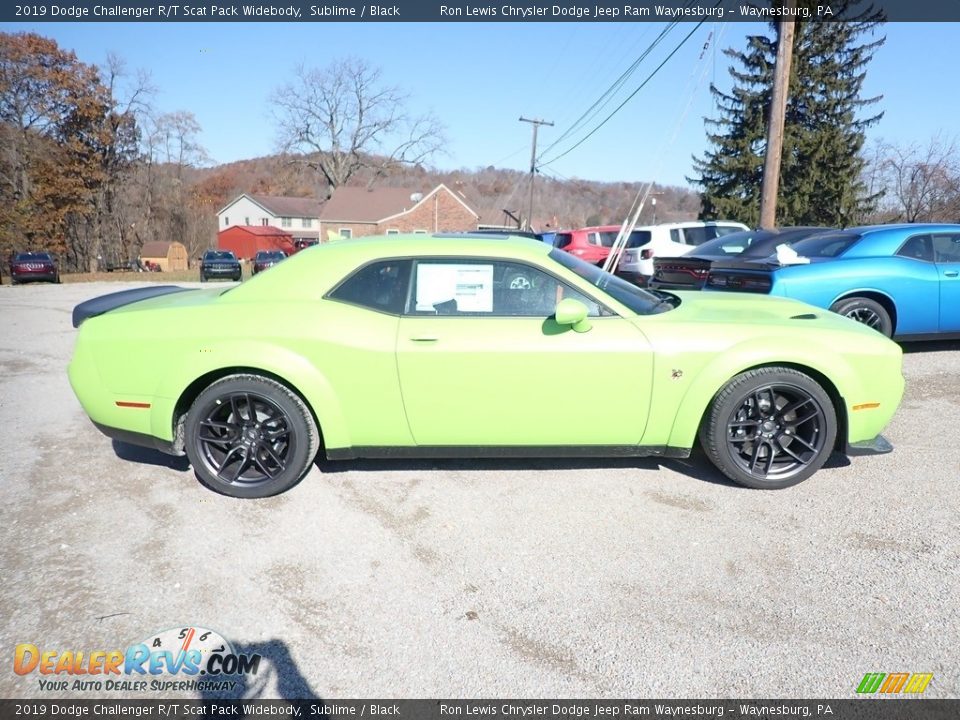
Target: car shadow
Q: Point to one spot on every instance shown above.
(149, 456)
(930, 346)
(279, 678)
(696, 466)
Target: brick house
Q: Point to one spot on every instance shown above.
(355, 212)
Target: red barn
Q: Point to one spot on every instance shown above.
(246, 240)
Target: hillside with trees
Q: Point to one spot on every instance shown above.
(91, 170)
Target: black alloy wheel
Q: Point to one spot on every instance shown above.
(248, 436)
(770, 428)
(866, 311)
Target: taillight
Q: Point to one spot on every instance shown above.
(646, 254)
(741, 283)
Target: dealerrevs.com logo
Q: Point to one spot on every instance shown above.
(186, 659)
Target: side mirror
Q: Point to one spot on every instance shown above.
(573, 313)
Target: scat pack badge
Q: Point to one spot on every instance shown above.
(186, 658)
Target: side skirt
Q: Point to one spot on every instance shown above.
(509, 451)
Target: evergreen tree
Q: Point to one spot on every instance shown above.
(821, 165)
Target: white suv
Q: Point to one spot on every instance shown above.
(667, 240)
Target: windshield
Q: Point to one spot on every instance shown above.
(827, 245)
(28, 256)
(219, 255)
(637, 299)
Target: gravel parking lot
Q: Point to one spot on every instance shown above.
(483, 578)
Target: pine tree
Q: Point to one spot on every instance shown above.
(821, 166)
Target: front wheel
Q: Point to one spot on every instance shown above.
(770, 428)
(866, 311)
(248, 436)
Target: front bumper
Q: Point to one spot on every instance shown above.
(877, 446)
(222, 272)
(139, 439)
(31, 275)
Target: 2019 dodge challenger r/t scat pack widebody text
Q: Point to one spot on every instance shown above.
(422, 346)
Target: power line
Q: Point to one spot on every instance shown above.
(607, 95)
(628, 98)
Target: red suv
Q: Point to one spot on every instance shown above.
(592, 244)
(27, 266)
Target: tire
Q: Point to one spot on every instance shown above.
(790, 414)
(227, 436)
(866, 311)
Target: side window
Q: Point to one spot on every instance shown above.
(675, 236)
(698, 235)
(381, 286)
(593, 238)
(919, 247)
(489, 288)
(563, 240)
(946, 248)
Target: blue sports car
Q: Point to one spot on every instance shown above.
(902, 280)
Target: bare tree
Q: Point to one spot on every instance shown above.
(922, 184)
(341, 119)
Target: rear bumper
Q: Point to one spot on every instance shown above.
(876, 446)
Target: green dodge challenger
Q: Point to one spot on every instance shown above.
(475, 346)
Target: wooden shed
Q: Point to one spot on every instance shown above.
(168, 255)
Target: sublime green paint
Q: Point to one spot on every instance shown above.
(374, 379)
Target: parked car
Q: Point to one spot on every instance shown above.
(667, 240)
(267, 258)
(689, 272)
(592, 244)
(303, 244)
(33, 266)
(901, 280)
(407, 346)
(220, 264)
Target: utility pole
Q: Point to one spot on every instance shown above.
(778, 109)
(533, 162)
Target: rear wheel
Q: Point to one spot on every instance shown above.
(248, 436)
(866, 311)
(770, 428)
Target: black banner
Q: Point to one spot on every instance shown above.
(471, 11)
(849, 709)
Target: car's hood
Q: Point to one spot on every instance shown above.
(750, 309)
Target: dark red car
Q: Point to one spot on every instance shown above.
(30, 266)
(267, 258)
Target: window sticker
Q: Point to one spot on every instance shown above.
(469, 286)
